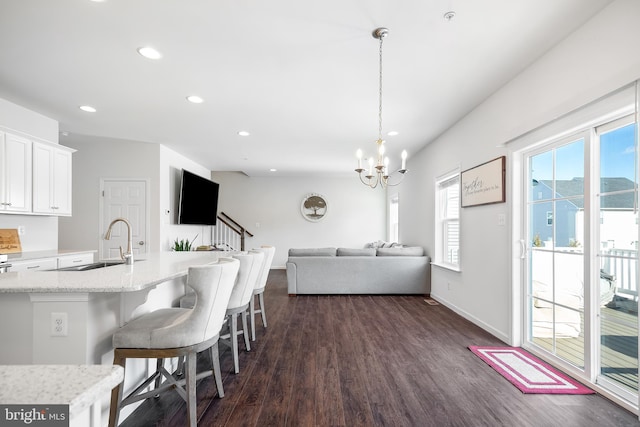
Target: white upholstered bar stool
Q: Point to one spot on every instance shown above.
(250, 269)
(178, 332)
(258, 291)
(249, 272)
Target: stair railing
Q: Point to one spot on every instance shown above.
(229, 235)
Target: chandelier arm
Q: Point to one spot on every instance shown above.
(368, 182)
(402, 173)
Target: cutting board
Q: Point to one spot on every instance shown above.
(9, 241)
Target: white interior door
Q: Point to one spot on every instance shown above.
(124, 199)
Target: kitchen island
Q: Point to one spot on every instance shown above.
(68, 317)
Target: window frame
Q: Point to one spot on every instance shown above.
(394, 218)
(443, 220)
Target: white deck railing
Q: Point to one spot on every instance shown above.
(622, 264)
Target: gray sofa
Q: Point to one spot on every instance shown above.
(398, 270)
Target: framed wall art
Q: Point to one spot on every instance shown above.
(483, 184)
(314, 207)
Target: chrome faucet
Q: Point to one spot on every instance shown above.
(128, 255)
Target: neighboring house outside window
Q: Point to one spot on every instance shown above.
(617, 215)
(448, 220)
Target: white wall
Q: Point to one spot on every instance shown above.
(171, 165)
(98, 158)
(41, 231)
(593, 61)
(17, 119)
(270, 209)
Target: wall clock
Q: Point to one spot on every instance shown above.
(313, 207)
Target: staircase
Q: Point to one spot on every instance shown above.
(228, 235)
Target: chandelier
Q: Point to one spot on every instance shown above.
(379, 174)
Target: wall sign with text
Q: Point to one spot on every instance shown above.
(483, 184)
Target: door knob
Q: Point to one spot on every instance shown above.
(141, 242)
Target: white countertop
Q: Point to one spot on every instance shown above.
(25, 256)
(78, 386)
(151, 269)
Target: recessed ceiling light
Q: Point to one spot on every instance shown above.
(273, 170)
(87, 108)
(393, 133)
(98, 1)
(243, 133)
(149, 52)
(195, 99)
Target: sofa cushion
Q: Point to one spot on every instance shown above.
(313, 252)
(404, 251)
(356, 252)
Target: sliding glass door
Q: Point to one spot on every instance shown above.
(581, 222)
(618, 253)
(556, 259)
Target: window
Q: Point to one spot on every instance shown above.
(393, 219)
(448, 220)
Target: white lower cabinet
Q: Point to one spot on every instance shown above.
(39, 264)
(52, 263)
(73, 260)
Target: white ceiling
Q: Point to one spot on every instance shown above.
(301, 76)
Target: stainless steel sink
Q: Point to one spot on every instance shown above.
(93, 266)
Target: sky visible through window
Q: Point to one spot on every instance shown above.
(617, 158)
(617, 153)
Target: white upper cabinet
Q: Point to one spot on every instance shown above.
(15, 173)
(51, 179)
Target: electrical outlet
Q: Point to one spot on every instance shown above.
(21, 230)
(59, 325)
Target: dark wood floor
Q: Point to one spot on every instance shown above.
(369, 361)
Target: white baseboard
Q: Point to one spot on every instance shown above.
(496, 333)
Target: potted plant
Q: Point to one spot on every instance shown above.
(183, 245)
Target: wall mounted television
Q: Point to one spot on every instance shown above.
(198, 200)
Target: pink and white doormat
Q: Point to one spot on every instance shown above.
(528, 373)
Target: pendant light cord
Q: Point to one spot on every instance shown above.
(380, 94)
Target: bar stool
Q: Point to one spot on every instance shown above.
(248, 274)
(178, 332)
(250, 268)
(258, 291)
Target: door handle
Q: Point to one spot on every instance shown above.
(523, 248)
